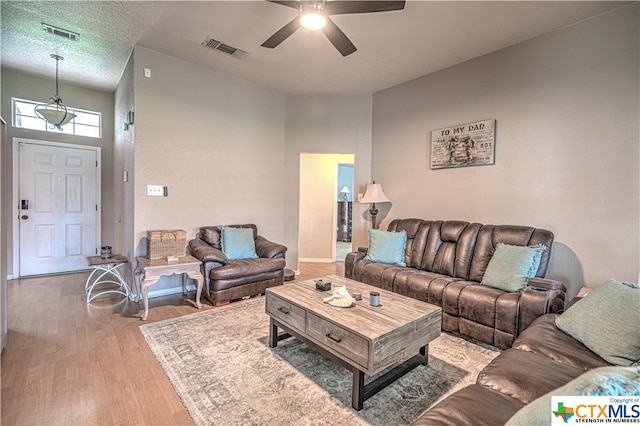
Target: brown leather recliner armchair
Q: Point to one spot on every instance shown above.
(226, 280)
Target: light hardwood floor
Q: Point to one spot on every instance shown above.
(72, 363)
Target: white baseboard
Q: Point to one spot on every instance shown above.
(315, 260)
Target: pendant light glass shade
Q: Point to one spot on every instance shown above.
(55, 113)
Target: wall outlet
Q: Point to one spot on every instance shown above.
(155, 190)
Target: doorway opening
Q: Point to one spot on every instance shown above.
(319, 201)
(344, 211)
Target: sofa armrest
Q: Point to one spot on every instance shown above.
(268, 249)
(540, 296)
(546, 284)
(351, 259)
(205, 253)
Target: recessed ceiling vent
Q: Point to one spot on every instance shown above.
(224, 48)
(70, 35)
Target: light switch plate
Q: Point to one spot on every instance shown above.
(155, 190)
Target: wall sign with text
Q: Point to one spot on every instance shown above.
(471, 144)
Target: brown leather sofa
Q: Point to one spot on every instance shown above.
(446, 261)
(541, 359)
(226, 280)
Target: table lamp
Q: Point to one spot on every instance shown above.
(344, 191)
(374, 194)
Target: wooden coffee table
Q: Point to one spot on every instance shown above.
(364, 339)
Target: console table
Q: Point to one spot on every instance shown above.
(106, 271)
(149, 271)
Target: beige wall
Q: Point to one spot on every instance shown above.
(318, 212)
(336, 124)
(216, 141)
(3, 250)
(233, 155)
(20, 85)
(123, 162)
(567, 144)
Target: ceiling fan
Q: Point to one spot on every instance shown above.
(315, 14)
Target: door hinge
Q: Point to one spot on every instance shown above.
(96, 207)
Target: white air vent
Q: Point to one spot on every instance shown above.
(50, 29)
(224, 48)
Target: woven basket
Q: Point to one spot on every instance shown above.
(166, 242)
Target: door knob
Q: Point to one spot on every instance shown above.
(24, 216)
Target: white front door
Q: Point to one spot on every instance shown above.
(57, 207)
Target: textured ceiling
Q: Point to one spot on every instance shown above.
(393, 47)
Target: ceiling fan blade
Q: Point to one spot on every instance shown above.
(294, 4)
(344, 7)
(282, 34)
(338, 38)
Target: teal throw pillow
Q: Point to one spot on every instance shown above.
(606, 321)
(386, 247)
(237, 243)
(511, 267)
(602, 381)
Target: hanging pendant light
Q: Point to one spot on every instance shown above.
(55, 113)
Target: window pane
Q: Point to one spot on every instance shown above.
(24, 108)
(91, 119)
(86, 123)
(91, 131)
(31, 123)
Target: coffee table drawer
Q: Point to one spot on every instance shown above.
(343, 341)
(287, 313)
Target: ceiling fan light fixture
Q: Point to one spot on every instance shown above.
(314, 15)
(313, 18)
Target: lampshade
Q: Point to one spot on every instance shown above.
(345, 190)
(374, 194)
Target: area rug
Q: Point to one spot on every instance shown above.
(221, 366)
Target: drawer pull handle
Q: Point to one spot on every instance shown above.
(284, 310)
(335, 339)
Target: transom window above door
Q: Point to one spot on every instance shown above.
(86, 123)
